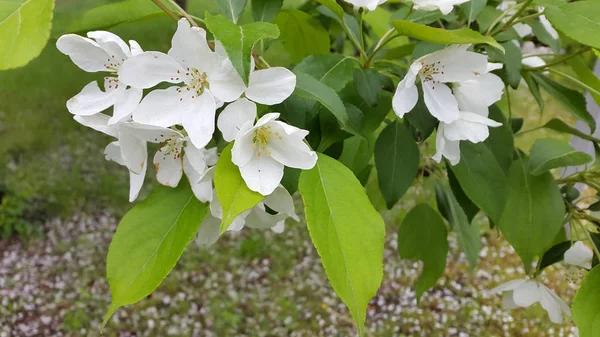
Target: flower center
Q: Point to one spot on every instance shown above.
(171, 147)
(195, 81)
(113, 64)
(261, 139)
(428, 71)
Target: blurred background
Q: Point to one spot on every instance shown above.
(60, 203)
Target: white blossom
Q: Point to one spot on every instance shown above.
(368, 4)
(523, 293)
(101, 52)
(450, 65)
(579, 255)
(445, 6)
(508, 6)
(206, 80)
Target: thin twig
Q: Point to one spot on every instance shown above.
(165, 9)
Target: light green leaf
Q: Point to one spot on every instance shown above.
(423, 236)
(573, 100)
(547, 154)
(334, 7)
(238, 41)
(578, 20)
(231, 8)
(418, 16)
(472, 9)
(585, 75)
(266, 10)
(24, 30)
(586, 305)
(482, 178)
(379, 20)
(301, 34)
(512, 63)
(333, 70)
(235, 197)
(560, 126)
(347, 232)
(309, 87)
(534, 88)
(149, 241)
(443, 36)
(501, 140)
(368, 85)
(397, 161)
(534, 212)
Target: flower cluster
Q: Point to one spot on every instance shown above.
(445, 6)
(458, 87)
(182, 117)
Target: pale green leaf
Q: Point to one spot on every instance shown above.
(238, 41)
(233, 194)
(578, 20)
(301, 34)
(534, 212)
(232, 9)
(586, 75)
(472, 9)
(149, 241)
(266, 10)
(512, 63)
(334, 7)
(560, 126)
(586, 305)
(547, 154)
(24, 30)
(333, 70)
(443, 36)
(397, 161)
(423, 236)
(347, 232)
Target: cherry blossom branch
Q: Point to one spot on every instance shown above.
(528, 17)
(184, 13)
(165, 9)
(385, 39)
(512, 19)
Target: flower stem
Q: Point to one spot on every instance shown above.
(512, 19)
(528, 17)
(385, 39)
(560, 59)
(589, 237)
(576, 81)
(183, 13)
(165, 9)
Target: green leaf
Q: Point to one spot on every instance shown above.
(238, 41)
(443, 36)
(373, 117)
(560, 126)
(578, 20)
(512, 63)
(543, 36)
(231, 8)
(265, 10)
(357, 153)
(334, 7)
(465, 203)
(482, 178)
(235, 197)
(333, 70)
(472, 9)
(487, 16)
(418, 16)
(309, 87)
(149, 241)
(347, 232)
(379, 20)
(301, 34)
(573, 100)
(368, 85)
(534, 212)
(586, 305)
(585, 75)
(24, 30)
(554, 254)
(330, 130)
(501, 140)
(423, 236)
(547, 154)
(420, 118)
(534, 88)
(469, 238)
(397, 162)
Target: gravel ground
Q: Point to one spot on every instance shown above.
(253, 284)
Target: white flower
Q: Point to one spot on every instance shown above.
(508, 6)
(474, 96)
(445, 6)
(207, 79)
(106, 53)
(524, 293)
(261, 151)
(279, 201)
(368, 4)
(449, 65)
(579, 255)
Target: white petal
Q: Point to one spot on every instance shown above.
(548, 26)
(164, 107)
(290, 150)
(262, 174)
(471, 126)
(115, 47)
(199, 121)
(196, 158)
(260, 219)
(266, 119)
(282, 202)
(456, 64)
(522, 29)
(549, 303)
(189, 46)
(201, 184)
(169, 167)
(271, 86)
(579, 255)
(243, 148)
(507, 301)
(494, 66)
(211, 156)
(98, 122)
(125, 103)
(85, 53)
(91, 100)
(225, 82)
(234, 116)
(449, 149)
(527, 294)
(112, 152)
(150, 133)
(209, 231)
(280, 226)
(440, 102)
(134, 151)
(405, 97)
(136, 49)
(147, 69)
(510, 285)
(239, 222)
(533, 61)
(136, 181)
(478, 94)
